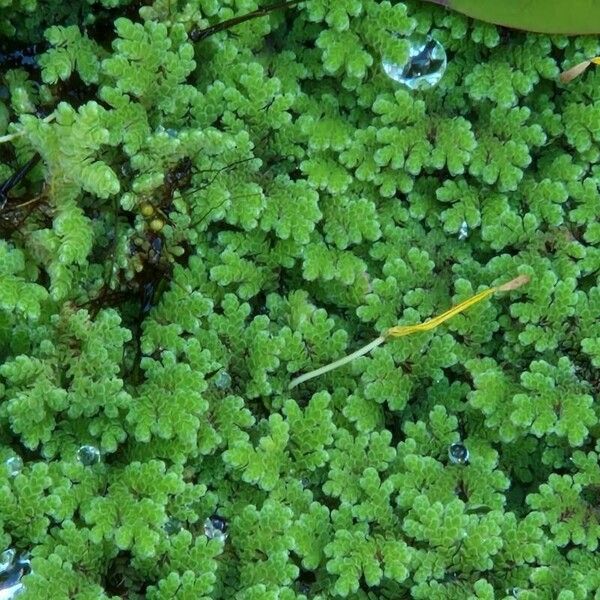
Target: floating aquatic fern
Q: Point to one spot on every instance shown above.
(402, 330)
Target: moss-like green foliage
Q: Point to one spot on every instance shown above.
(210, 219)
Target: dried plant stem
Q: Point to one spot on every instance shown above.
(402, 330)
(11, 136)
(338, 363)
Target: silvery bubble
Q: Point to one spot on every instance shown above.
(10, 578)
(215, 528)
(6, 559)
(458, 453)
(426, 64)
(463, 232)
(88, 455)
(126, 169)
(173, 526)
(223, 380)
(13, 465)
(10, 588)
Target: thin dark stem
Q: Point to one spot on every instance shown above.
(197, 35)
(16, 178)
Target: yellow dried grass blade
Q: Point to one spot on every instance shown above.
(402, 330)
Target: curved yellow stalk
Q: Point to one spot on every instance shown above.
(402, 330)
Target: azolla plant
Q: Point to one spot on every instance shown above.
(297, 300)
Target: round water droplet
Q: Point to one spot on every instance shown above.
(14, 465)
(304, 588)
(6, 559)
(88, 455)
(173, 526)
(126, 169)
(463, 232)
(10, 579)
(215, 528)
(11, 588)
(223, 380)
(458, 454)
(425, 67)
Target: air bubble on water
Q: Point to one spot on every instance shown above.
(13, 465)
(215, 528)
(6, 559)
(173, 526)
(458, 453)
(169, 131)
(425, 67)
(11, 573)
(10, 587)
(223, 380)
(88, 455)
(126, 169)
(463, 232)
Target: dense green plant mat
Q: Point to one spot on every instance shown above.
(210, 219)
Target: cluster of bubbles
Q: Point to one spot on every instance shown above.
(87, 455)
(215, 528)
(458, 453)
(13, 568)
(172, 133)
(426, 64)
